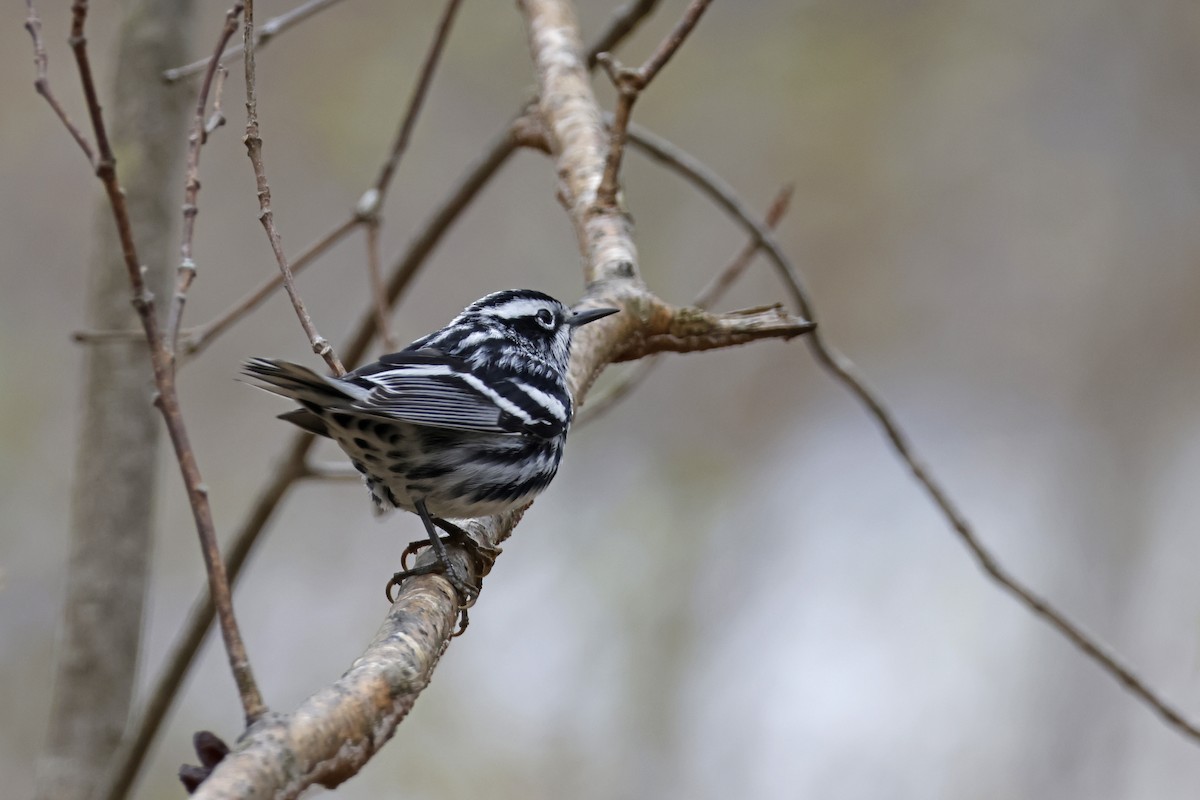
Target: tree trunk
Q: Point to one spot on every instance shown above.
(112, 501)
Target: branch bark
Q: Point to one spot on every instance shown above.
(116, 461)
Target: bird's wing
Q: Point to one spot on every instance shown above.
(429, 388)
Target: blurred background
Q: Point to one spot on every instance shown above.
(733, 589)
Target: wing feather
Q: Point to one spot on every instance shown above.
(427, 387)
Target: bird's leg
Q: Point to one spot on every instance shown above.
(485, 555)
(444, 566)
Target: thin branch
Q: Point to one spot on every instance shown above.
(265, 33)
(709, 295)
(378, 289)
(721, 282)
(200, 337)
(416, 99)
(167, 399)
(196, 139)
(217, 118)
(370, 204)
(630, 83)
(624, 22)
(846, 373)
(41, 82)
(266, 215)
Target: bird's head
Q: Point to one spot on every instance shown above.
(536, 323)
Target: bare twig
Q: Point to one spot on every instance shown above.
(416, 99)
(623, 22)
(202, 336)
(378, 290)
(265, 33)
(266, 215)
(198, 338)
(217, 118)
(845, 372)
(630, 83)
(191, 191)
(41, 82)
(372, 201)
(167, 400)
(716, 288)
(705, 299)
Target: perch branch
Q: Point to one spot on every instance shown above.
(845, 372)
(167, 400)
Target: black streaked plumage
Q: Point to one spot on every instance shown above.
(467, 421)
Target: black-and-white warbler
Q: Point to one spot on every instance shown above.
(467, 421)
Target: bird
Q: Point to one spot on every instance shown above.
(467, 421)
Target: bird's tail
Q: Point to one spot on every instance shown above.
(298, 383)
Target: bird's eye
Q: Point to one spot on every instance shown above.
(545, 318)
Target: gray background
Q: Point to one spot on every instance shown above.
(733, 589)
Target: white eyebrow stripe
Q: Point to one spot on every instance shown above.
(518, 307)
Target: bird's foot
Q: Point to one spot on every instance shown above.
(467, 593)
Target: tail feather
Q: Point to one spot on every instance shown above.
(298, 383)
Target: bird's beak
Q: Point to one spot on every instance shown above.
(589, 315)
